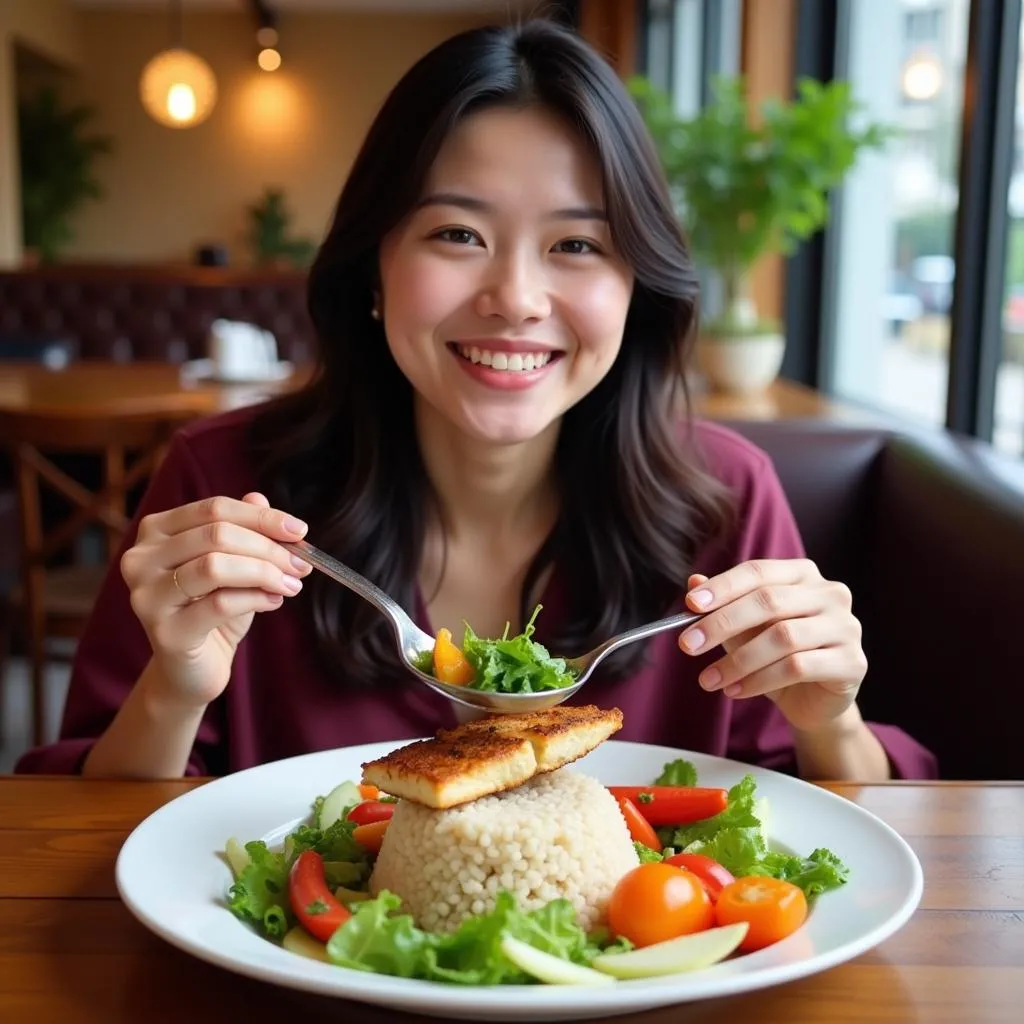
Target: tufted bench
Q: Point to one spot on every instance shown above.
(153, 313)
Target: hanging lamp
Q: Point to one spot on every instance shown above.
(177, 88)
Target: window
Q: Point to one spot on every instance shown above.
(890, 252)
(686, 43)
(1008, 427)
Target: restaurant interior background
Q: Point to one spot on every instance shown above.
(908, 308)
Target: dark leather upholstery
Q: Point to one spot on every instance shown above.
(928, 531)
(150, 313)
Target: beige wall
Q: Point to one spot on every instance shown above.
(50, 29)
(298, 128)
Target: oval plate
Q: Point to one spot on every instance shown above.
(172, 876)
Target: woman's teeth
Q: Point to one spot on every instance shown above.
(515, 362)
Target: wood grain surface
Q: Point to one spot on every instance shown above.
(71, 953)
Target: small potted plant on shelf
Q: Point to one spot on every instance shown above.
(744, 190)
(270, 233)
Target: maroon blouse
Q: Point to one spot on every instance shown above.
(280, 703)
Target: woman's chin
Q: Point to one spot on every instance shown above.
(505, 429)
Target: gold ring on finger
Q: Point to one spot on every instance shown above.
(181, 589)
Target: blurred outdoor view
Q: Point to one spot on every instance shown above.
(894, 275)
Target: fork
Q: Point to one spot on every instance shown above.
(413, 642)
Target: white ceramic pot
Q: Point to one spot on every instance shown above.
(744, 365)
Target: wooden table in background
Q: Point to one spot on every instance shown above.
(139, 387)
(71, 953)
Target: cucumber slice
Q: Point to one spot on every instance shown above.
(687, 953)
(340, 799)
(550, 969)
(298, 940)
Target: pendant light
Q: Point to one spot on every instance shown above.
(177, 88)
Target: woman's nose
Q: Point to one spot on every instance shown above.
(516, 291)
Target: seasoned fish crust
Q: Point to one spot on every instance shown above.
(490, 755)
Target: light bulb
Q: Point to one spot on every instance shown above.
(922, 78)
(178, 89)
(181, 102)
(269, 59)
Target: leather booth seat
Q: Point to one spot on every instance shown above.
(152, 313)
(927, 529)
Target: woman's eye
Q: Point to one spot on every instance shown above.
(576, 247)
(459, 236)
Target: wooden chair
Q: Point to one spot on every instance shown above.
(54, 600)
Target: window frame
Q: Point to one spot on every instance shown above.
(985, 161)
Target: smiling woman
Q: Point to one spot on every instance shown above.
(504, 306)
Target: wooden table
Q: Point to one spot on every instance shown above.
(131, 388)
(71, 953)
(128, 389)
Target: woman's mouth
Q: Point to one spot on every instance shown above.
(509, 362)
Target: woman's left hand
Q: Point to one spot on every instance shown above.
(788, 633)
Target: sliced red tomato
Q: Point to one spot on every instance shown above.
(640, 830)
(657, 902)
(312, 901)
(772, 908)
(674, 805)
(370, 811)
(713, 876)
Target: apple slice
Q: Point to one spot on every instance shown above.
(687, 953)
(550, 969)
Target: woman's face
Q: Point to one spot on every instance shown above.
(503, 299)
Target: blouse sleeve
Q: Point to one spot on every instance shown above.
(114, 648)
(760, 733)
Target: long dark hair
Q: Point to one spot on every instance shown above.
(342, 453)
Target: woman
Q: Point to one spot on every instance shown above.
(503, 304)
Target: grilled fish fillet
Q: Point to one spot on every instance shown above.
(558, 735)
(490, 755)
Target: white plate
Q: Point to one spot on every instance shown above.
(172, 877)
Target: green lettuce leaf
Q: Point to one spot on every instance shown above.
(379, 938)
(260, 894)
(739, 813)
(677, 773)
(818, 873)
(514, 664)
(736, 839)
(646, 854)
(334, 843)
(738, 850)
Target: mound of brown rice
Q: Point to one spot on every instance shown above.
(559, 835)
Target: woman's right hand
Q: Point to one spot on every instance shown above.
(197, 575)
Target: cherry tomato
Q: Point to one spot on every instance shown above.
(674, 805)
(640, 830)
(313, 903)
(658, 902)
(773, 909)
(709, 871)
(369, 811)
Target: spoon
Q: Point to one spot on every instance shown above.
(413, 642)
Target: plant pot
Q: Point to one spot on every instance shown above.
(746, 364)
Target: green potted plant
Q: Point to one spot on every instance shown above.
(270, 234)
(57, 161)
(745, 190)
